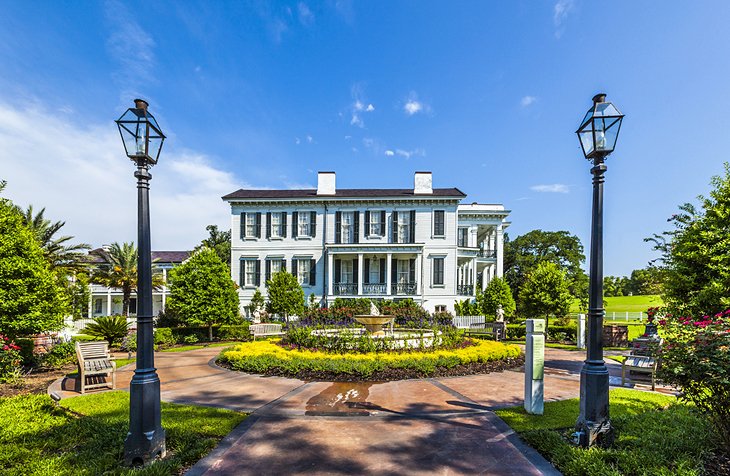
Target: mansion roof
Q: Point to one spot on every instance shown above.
(97, 256)
(344, 193)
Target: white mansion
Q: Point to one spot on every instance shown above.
(419, 243)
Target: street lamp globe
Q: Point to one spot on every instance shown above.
(600, 127)
(141, 135)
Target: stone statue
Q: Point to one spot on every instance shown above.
(500, 314)
(374, 309)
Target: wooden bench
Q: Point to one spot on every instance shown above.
(265, 330)
(640, 364)
(494, 329)
(95, 362)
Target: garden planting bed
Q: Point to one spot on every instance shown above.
(272, 359)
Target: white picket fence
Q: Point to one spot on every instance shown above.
(464, 322)
(618, 316)
(78, 325)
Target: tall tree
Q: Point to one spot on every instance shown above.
(696, 254)
(218, 241)
(286, 296)
(202, 291)
(523, 254)
(64, 257)
(31, 298)
(545, 293)
(119, 271)
(497, 293)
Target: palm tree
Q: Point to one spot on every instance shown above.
(120, 271)
(62, 256)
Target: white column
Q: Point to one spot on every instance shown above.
(108, 302)
(500, 250)
(91, 298)
(360, 272)
(485, 277)
(164, 288)
(473, 237)
(330, 273)
(474, 277)
(388, 272)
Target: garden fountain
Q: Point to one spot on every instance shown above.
(374, 321)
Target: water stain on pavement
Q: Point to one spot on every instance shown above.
(342, 399)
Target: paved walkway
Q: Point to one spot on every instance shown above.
(429, 426)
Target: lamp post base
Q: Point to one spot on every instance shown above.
(593, 427)
(145, 440)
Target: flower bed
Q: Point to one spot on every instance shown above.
(268, 358)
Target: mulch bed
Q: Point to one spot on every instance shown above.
(35, 382)
(718, 464)
(397, 374)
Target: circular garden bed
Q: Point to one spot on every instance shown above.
(270, 358)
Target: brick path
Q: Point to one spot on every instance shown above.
(429, 426)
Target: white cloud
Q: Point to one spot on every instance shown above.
(527, 100)
(414, 106)
(561, 10)
(551, 188)
(369, 108)
(389, 153)
(359, 106)
(131, 47)
(81, 175)
(306, 17)
(297, 140)
(310, 139)
(410, 153)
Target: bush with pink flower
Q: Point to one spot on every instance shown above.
(696, 358)
(10, 360)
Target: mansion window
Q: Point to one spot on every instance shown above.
(250, 274)
(374, 271)
(97, 306)
(346, 275)
(277, 225)
(404, 271)
(304, 224)
(438, 271)
(250, 225)
(305, 270)
(439, 228)
(440, 308)
(403, 226)
(463, 237)
(273, 266)
(375, 222)
(347, 227)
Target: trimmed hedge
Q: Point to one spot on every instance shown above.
(178, 334)
(267, 356)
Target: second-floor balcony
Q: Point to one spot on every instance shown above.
(464, 289)
(482, 253)
(375, 288)
(408, 289)
(344, 289)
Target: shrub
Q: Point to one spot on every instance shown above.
(444, 318)
(10, 360)
(59, 355)
(129, 343)
(696, 358)
(516, 331)
(267, 356)
(191, 339)
(164, 337)
(241, 332)
(109, 328)
(357, 305)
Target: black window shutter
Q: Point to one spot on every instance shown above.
(283, 264)
(258, 272)
(356, 234)
(367, 223)
(355, 274)
(338, 227)
(338, 273)
(366, 271)
(294, 269)
(382, 270)
(243, 225)
(412, 271)
(312, 272)
(394, 270)
(313, 225)
(241, 273)
(394, 228)
(382, 223)
(268, 224)
(283, 225)
(438, 223)
(294, 224)
(258, 224)
(412, 227)
(268, 270)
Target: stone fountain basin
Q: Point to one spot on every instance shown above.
(374, 324)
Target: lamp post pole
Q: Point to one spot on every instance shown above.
(146, 438)
(594, 425)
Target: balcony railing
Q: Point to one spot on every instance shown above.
(408, 289)
(375, 288)
(345, 289)
(487, 253)
(465, 289)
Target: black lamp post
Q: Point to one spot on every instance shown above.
(145, 441)
(598, 133)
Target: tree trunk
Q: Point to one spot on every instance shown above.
(210, 332)
(286, 318)
(126, 297)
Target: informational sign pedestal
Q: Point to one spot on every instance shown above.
(581, 333)
(534, 366)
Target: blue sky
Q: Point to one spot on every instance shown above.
(486, 95)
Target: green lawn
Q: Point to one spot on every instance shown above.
(185, 348)
(655, 436)
(37, 437)
(626, 303)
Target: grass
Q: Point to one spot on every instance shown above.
(626, 303)
(38, 437)
(654, 436)
(185, 348)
